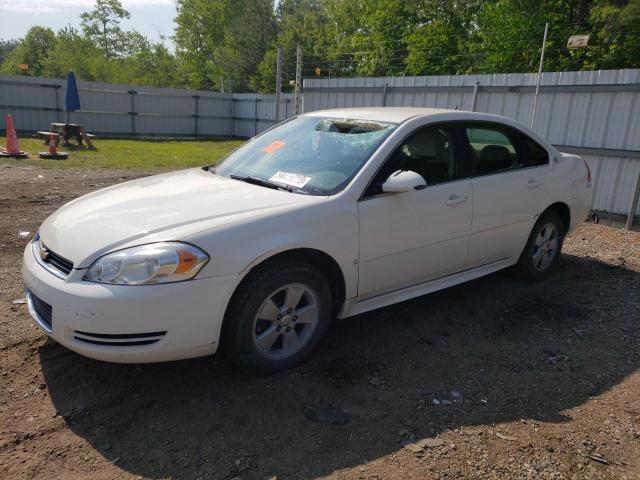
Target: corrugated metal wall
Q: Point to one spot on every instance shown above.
(254, 113)
(112, 109)
(595, 114)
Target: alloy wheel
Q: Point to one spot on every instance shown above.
(545, 247)
(285, 321)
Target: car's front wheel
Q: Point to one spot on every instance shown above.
(277, 317)
(543, 247)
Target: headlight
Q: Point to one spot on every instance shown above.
(148, 264)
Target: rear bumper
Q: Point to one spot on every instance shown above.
(128, 324)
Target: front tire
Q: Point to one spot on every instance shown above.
(277, 317)
(543, 248)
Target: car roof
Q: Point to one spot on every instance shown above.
(402, 114)
(386, 114)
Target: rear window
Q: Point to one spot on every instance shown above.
(498, 148)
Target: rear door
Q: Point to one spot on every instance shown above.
(412, 237)
(510, 179)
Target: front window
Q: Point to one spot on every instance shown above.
(311, 155)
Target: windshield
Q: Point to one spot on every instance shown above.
(311, 155)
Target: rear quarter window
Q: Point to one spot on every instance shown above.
(535, 154)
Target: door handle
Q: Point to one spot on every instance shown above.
(455, 199)
(533, 183)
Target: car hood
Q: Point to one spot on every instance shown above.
(163, 207)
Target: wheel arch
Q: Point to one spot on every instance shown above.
(563, 210)
(322, 261)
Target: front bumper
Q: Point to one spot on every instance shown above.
(128, 324)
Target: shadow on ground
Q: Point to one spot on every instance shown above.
(512, 350)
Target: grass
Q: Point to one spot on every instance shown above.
(130, 154)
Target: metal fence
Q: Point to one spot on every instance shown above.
(594, 114)
(127, 110)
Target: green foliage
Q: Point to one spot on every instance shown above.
(509, 37)
(237, 40)
(102, 25)
(32, 51)
(223, 38)
(102, 51)
(298, 22)
(6, 47)
(72, 51)
(199, 31)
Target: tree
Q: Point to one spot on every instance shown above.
(247, 37)
(32, 51)
(617, 34)
(223, 38)
(72, 51)
(298, 22)
(199, 34)
(102, 25)
(238, 40)
(6, 47)
(152, 65)
(508, 37)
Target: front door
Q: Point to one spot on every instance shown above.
(412, 237)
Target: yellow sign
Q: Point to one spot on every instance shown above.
(317, 71)
(23, 66)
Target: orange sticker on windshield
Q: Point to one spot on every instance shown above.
(272, 147)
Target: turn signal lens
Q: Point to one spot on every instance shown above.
(148, 264)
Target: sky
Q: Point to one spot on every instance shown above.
(150, 17)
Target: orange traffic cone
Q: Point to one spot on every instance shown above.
(53, 152)
(12, 150)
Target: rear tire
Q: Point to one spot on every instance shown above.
(543, 248)
(277, 317)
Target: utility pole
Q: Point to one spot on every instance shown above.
(298, 85)
(535, 97)
(278, 83)
(222, 84)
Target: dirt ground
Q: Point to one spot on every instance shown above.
(492, 379)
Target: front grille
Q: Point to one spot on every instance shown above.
(119, 339)
(42, 311)
(58, 262)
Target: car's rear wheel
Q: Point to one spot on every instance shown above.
(277, 317)
(543, 247)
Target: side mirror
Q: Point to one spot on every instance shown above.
(403, 181)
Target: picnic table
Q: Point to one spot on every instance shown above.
(69, 131)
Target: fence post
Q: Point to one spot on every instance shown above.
(278, 83)
(474, 104)
(535, 96)
(57, 87)
(233, 115)
(133, 112)
(385, 88)
(634, 204)
(298, 84)
(255, 116)
(196, 115)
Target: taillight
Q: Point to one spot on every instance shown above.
(588, 172)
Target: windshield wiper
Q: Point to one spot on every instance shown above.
(262, 182)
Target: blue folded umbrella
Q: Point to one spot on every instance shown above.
(71, 97)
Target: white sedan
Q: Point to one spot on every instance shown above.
(329, 214)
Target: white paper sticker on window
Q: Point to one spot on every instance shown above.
(293, 179)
